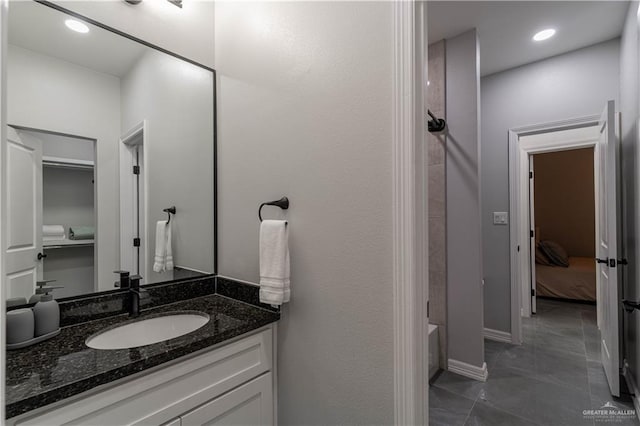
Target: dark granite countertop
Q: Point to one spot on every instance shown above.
(64, 366)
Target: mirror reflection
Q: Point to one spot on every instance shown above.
(106, 137)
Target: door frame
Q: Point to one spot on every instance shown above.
(132, 210)
(519, 206)
(409, 213)
(532, 241)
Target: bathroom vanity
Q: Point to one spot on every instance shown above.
(221, 373)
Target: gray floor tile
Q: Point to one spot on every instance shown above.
(512, 393)
(593, 350)
(520, 358)
(549, 380)
(562, 368)
(447, 409)
(459, 385)
(485, 415)
(557, 406)
(560, 343)
(590, 317)
(492, 351)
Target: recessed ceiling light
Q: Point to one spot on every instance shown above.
(544, 34)
(76, 26)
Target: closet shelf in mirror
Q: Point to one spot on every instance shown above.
(67, 163)
(66, 243)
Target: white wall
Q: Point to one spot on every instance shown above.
(188, 31)
(464, 255)
(66, 147)
(630, 111)
(74, 100)
(575, 84)
(305, 111)
(178, 153)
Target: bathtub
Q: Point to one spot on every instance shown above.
(434, 350)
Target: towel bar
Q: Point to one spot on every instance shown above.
(283, 203)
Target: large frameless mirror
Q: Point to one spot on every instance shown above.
(110, 157)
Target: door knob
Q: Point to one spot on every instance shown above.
(41, 256)
(602, 260)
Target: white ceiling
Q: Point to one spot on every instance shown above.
(42, 29)
(505, 28)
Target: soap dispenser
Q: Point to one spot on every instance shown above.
(46, 313)
(40, 290)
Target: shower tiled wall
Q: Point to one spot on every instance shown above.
(436, 100)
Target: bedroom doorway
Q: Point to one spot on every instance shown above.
(597, 135)
(576, 135)
(562, 211)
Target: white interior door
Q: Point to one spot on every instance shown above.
(23, 176)
(133, 203)
(532, 236)
(607, 247)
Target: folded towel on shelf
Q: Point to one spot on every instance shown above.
(53, 233)
(54, 237)
(274, 262)
(53, 230)
(163, 259)
(81, 232)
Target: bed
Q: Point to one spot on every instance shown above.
(577, 282)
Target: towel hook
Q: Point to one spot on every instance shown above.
(435, 124)
(169, 211)
(283, 203)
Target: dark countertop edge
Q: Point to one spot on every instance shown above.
(44, 399)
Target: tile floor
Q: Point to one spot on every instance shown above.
(549, 380)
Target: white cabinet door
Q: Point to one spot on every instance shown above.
(23, 226)
(249, 404)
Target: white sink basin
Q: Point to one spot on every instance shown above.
(148, 331)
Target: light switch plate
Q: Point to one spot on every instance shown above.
(500, 218)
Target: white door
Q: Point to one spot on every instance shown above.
(532, 236)
(23, 251)
(133, 203)
(607, 246)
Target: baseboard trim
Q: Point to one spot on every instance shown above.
(468, 370)
(497, 335)
(631, 384)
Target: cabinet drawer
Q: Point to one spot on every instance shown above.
(250, 404)
(165, 394)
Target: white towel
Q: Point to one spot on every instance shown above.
(54, 237)
(274, 262)
(163, 260)
(53, 231)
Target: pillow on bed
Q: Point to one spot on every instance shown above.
(541, 258)
(556, 254)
